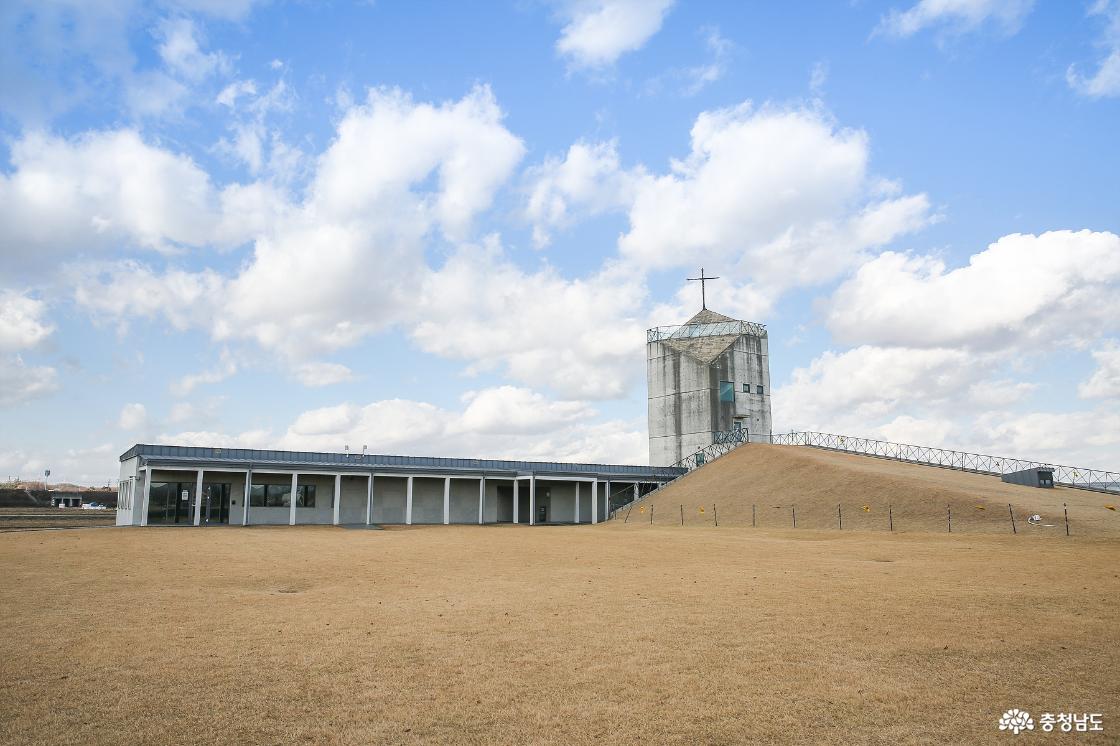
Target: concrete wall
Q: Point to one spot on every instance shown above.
(352, 507)
(389, 500)
(684, 409)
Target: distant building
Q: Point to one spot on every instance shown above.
(66, 500)
(193, 486)
(1034, 477)
(707, 376)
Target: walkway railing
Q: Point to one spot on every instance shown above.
(1067, 476)
(725, 443)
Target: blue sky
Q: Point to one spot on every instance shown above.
(441, 228)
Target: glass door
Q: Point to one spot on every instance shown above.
(215, 503)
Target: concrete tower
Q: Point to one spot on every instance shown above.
(704, 377)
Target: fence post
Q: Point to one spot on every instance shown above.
(949, 510)
(682, 515)
(1065, 509)
(1012, 512)
(890, 516)
(651, 515)
(795, 516)
(715, 514)
(839, 516)
(624, 520)
(752, 516)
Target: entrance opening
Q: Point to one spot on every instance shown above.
(505, 503)
(215, 503)
(171, 503)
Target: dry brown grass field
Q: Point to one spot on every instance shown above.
(605, 634)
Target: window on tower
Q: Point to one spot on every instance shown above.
(727, 391)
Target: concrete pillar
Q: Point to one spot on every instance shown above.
(369, 497)
(595, 501)
(577, 502)
(198, 498)
(481, 498)
(635, 491)
(532, 500)
(337, 499)
(446, 500)
(248, 492)
(147, 495)
(607, 499)
(516, 499)
(292, 500)
(408, 502)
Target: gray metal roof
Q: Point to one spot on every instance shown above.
(364, 463)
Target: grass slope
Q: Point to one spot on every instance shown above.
(776, 479)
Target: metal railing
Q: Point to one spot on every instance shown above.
(692, 331)
(1097, 480)
(725, 442)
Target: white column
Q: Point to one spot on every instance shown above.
(577, 502)
(292, 500)
(532, 500)
(408, 502)
(446, 500)
(595, 501)
(516, 499)
(337, 498)
(369, 497)
(635, 491)
(607, 499)
(481, 498)
(147, 495)
(248, 490)
(198, 498)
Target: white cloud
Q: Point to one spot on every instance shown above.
(133, 417)
(781, 197)
(588, 181)
(508, 409)
(87, 195)
(95, 465)
(1021, 290)
(225, 368)
(20, 383)
(231, 93)
(493, 423)
(21, 321)
(598, 32)
(956, 16)
(1106, 80)
(699, 77)
(180, 50)
(851, 391)
(397, 170)
(579, 337)
(323, 374)
(1105, 381)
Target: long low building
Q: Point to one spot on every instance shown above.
(193, 486)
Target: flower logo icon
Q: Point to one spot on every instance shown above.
(1016, 721)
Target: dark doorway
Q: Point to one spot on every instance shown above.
(215, 503)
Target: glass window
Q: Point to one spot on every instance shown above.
(758, 389)
(270, 496)
(746, 388)
(305, 496)
(727, 391)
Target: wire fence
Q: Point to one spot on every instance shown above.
(952, 516)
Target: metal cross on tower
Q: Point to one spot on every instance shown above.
(702, 279)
